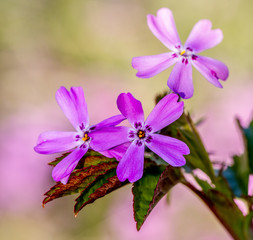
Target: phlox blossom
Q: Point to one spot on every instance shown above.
(143, 133)
(202, 37)
(78, 142)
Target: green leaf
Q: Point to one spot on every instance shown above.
(103, 185)
(148, 191)
(237, 177)
(203, 184)
(81, 179)
(185, 130)
(249, 136)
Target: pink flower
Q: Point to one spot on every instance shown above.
(184, 56)
(74, 107)
(144, 133)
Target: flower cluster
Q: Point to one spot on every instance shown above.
(127, 144)
(111, 140)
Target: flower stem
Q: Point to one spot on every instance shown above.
(237, 235)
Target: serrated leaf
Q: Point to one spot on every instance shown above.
(103, 185)
(149, 190)
(81, 162)
(82, 178)
(168, 179)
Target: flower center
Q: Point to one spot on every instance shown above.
(141, 134)
(85, 137)
(182, 52)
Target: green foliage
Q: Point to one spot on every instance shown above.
(147, 192)
(185, 130)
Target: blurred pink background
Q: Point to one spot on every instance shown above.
(48, 44)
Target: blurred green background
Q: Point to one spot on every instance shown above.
(90, 43)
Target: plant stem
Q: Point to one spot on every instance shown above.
(212, 207)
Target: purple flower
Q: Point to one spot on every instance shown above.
(201, 38)
(142, 133)
(74, 107)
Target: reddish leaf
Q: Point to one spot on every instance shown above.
(105, 185)
(82, 178)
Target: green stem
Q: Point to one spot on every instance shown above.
(212, 207)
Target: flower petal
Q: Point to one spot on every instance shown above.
(117, 152)
(73, 105)
(77, 96)
(164, 28)
(203, 37)
(131, 165)
(180, 80)
(211, 69)
(106, 138)
(109, 122)
(169, 149)
(64, 168)
(131, 108)
(165, 112)
(149, 66)
(54, 142)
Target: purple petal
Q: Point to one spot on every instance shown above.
(117, 152)
(77, 96)
(106, 138)
(164, 28)
(149, 66)
(73, 105)
(64, 168)
(54, 142)
(131, 108)
(180, 80)
(109, 122)
(131, 165)
(165, 112)
(211, 69)
(169, 149)
(203, 37)
(65, 179)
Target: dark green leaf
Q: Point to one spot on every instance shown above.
(237, 178)
(185, 130)
(148, 191)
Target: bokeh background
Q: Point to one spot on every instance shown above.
(45, 44)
